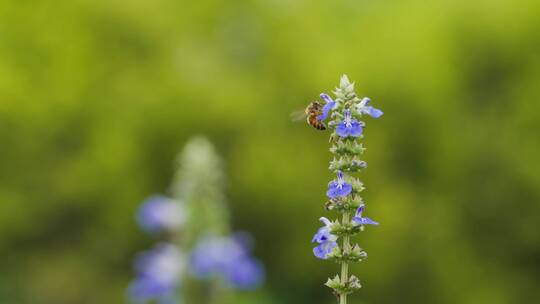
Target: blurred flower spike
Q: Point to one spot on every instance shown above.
(198, 243)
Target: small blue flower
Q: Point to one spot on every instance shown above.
(371, 111)
(158, 273)
(349, 126)
(330, 104)
(338, 188)
(159, 213)
(325, 239)
(359, 220)
(323, 234)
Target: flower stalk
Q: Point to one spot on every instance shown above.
(344, 113)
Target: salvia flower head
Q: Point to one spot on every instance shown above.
(160, 213)
(326, 241)
(339, 187)
(158, 273)
(349, 126)
(228, 258)
(358, 219)
(344, 112)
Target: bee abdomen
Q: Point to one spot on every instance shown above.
(317, 124)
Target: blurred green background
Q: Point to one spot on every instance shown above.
(97, 98)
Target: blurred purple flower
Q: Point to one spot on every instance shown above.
(338, 188)
(246, 273)
(349, 126)
(158, 273)
(365, 109)
(159, 213)
(228, 258)
(359, 220)
(330, 104)
(325, 239)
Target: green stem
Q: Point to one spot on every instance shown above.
(345, 265)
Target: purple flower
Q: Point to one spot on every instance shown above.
(330, 104)
(158, 273)
(246, 273)
(228, 258)
(338, 188)
(371, 111)
(325, 239)
(359, 220)
(159, 213)
(349, 126)
(323, 234)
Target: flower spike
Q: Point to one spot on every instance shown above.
(343, 112)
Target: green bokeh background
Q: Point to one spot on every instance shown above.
(97, 98)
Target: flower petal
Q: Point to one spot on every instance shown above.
(330, 104)
(373, 112)
(363, 221)
(325, 221)
(321, 235)
(323, 250)
(356, 129)
(342, 130)
(326, 98)
(345, 190)
(332, 190)
(369, 221)
(360, 210)
(319, 252)
(364, 102)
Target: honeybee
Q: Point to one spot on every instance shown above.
(311, 112)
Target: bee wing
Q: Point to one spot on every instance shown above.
(298, 115)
